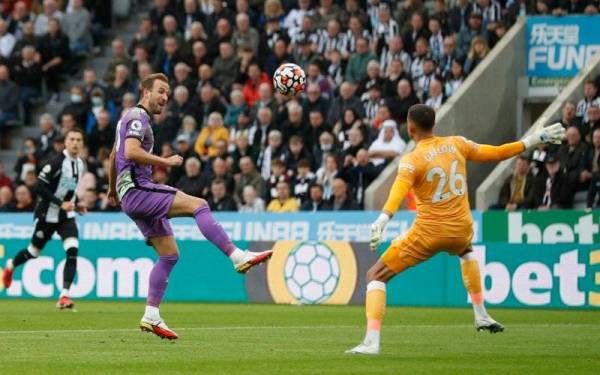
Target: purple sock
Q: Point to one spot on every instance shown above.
(212, 230)
(159, 278)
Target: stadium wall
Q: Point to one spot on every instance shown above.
(528, 260)
(487, 192)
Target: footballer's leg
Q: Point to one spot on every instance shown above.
(42, 233)
(187, 205)
(395, 260)
(69, 234)
(472, 280)
(168, 255)
(377, 277)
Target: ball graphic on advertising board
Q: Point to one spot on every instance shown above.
(312, 272)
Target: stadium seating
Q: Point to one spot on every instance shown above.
(208, 49)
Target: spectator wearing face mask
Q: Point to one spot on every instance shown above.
(78, 106)
(97, 105)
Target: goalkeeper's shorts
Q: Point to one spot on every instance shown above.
(416, 247)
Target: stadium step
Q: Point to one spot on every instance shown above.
(125, 30)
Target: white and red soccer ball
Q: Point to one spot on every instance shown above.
(289, 79)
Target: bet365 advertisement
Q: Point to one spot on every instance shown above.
(527, 260)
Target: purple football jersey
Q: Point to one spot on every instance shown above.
(134, 124)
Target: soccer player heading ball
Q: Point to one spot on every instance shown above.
(151, 205)
(436, 170)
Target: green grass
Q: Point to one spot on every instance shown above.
(102, 338)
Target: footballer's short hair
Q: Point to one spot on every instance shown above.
(148, 82)
(423, 116)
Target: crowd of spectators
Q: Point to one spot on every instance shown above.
(561, 176)
(246, 147)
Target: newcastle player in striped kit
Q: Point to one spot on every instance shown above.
(55, 212)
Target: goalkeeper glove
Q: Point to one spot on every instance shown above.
(377, 229)
(554, 133)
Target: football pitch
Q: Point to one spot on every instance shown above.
(102, 338)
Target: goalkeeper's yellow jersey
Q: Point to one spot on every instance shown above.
(436, 170)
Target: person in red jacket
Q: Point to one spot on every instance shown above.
(255, 77)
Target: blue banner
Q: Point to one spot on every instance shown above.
(351, 226)
(560, 46)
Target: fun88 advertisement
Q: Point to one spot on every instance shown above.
(559, 47)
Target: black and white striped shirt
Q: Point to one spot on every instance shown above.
(336, 74)
(387, 57)
(386, 31)
(490, 13)
(351, 38)
(373, 12)
(436, 43)
(61, 176)
(583, 105)
(313, 37)
(422, 85)
(327, 42)
(371, 108)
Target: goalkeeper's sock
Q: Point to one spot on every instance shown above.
(375, 306)
(472, 280)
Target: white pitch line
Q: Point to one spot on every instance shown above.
(237, 328)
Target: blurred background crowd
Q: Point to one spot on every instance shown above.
(245, 146)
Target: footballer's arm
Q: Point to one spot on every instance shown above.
(112, 178)
(496, 153)
(135, 153)
(554, 133)
(402, 184)
(400, 188)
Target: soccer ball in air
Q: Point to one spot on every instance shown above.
(312, 272)
(289, 79)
